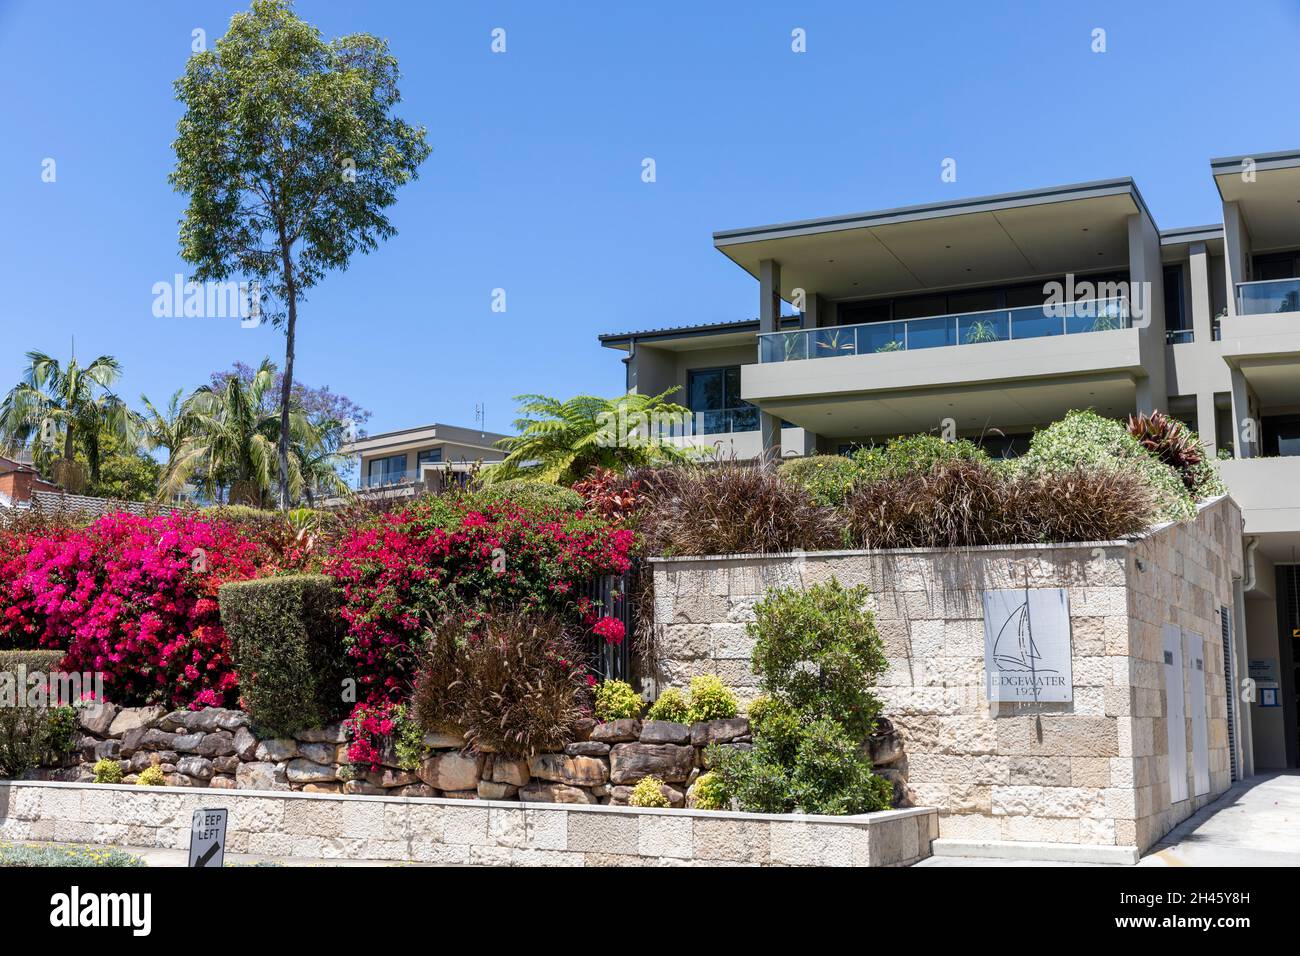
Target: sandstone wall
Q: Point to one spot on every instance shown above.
(489, 832)
(1093, 770)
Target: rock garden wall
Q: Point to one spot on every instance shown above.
(216, 748)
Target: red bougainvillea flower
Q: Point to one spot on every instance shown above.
(611, 629)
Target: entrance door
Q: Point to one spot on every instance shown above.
(1200, 729)
(1176, 722)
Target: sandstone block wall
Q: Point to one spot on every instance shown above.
(454, 832)
(1093, 770)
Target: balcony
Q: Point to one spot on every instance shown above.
(1256, 484)
(941, 331)
(386, 479)
(1268, 297)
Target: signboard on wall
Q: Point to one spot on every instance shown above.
(1027, 645)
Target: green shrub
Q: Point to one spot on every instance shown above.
(616, 700)
(831, 773)
(1084, 438)
(708, 792)
(43, 662)
(286, 641)
(818, 650)
(827, 478)
(507, 682)
(778, 724)
(671, 705)
(648, 793)
(108, 770)
(44, 855)
(151, 777)
(914, 455)
(755, 778)
(532, 496)
(710, 699)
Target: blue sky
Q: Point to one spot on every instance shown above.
(534, 184)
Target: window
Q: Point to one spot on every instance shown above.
(386, 471)
(430, 457)
(713, 395)
(1279, 265)
(1177, 328)
(1281, 435)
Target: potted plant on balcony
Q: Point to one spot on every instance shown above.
(982, 330)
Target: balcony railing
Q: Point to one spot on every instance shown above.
(715, 421)
(386, 479)
(970, 328)
(1269, 296)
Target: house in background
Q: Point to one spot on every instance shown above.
(934, 319)
(397, 463)
(19, 480)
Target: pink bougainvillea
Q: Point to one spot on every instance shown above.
(134, 598)
(611, 629)
(418, 565)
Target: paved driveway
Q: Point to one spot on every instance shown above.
(1256, 823)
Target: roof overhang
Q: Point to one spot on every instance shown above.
(1266, 188)
(1077, 228)
(421, 437)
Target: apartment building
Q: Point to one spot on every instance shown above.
(990, 317)
(397, 463)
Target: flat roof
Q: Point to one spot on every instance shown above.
(935, 210)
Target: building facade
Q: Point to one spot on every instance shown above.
(988, 318)
(397, 463)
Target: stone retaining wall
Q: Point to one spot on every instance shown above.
(490, 832)
(216, 748)
(1094, 770)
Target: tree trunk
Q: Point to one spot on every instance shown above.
(286, 389)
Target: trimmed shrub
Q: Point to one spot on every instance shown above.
(44, 855)
(107, 770)
(730, 508)
(914, 455)
(616, 700)
(670, 705)
(828, 479)
(33, 662)
(648, 792)
(534, 496)
(819, 652)
(1086, 439)
(710, 699)
(755, 778)
(286, 640)
(512, 682)
(778, 724)
(708, 792)
(151, 777)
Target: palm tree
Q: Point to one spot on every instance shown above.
(560, 442)
(318, 459)
(170, 429)
(55, 404)
(233, 438)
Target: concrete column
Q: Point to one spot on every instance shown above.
(1236, 252)
(1146, 280)
(1243, 421)
(769, 320)
(811, 317)
(1206, 417)
(1199, 274)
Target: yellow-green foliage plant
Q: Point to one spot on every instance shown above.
(648, 793)
(107, 771)
(709, 793)
(151, 777)
(616, 700)
(671, 706)
(710, 699)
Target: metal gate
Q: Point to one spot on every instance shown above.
(610, 594)
(1226, 623)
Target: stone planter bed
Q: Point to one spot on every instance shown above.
(457, 832)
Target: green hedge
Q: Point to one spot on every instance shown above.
(46, 662)
(287, 640)
(529, 495)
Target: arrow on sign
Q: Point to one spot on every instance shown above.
(207, 855)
